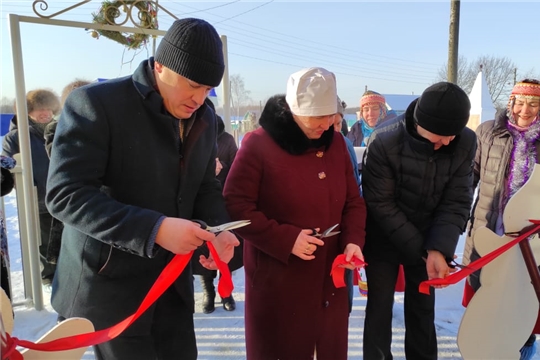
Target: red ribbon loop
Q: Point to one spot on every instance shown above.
(338, 271)
(478, 264)
(9, 348)
(165, 279)
(225, 284)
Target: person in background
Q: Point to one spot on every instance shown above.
(338, 127)
(292, 177)
(50, 129)
(133, 162)
(344, 126)
(338, 123)
(8, 183)
(55, 235)
(226, 152)
(42, 106)
(508, 148)
(372, 112)
(417, 184)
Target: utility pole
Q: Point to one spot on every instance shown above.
(226, 89)
(515, 76)
(453, 41)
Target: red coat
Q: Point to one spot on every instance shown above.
(291, 304)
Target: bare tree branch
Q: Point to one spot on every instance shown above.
(239, 95)
(7, 105)
(498, 71)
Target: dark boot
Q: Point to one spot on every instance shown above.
(228, 303)
(529, 349)
(209, 294)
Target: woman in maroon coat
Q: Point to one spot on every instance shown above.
(289, 177)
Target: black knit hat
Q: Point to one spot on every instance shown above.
(192, 48)
(443, 109)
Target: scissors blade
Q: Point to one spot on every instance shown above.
(229, 226)
(330, 234)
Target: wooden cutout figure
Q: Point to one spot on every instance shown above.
(69, 327)
(502, 313)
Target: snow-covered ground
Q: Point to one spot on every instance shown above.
(220, 335)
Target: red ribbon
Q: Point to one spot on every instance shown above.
(165, 279)
(478, 264)
(338, 271)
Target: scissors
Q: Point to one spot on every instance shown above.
(326, 233)
(453, 264)
(223, 227)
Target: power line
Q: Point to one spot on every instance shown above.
(245, 12)
(211, 8)
(337, 64)
(294, 45)
(335, 72)
(303, 40)
(408, 70)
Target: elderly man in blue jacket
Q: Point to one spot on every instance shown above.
(133, 162)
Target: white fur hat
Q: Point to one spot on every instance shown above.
(312, 92)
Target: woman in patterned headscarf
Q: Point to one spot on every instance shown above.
(513, 141)
(372, 112)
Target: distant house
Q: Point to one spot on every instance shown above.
(5, 120)
(399, 103)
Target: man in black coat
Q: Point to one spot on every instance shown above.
(417, 183)
(226, 152)
(133, 163)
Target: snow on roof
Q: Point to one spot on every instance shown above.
(399, 102)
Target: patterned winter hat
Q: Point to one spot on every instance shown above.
(526, 88)
(372, 97)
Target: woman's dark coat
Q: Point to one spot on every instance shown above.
(283, 183)
(117, 168)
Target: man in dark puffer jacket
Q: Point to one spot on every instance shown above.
(417, 183)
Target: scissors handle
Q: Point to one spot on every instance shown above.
(203, 224)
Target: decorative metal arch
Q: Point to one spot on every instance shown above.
(27, 215)
(116, 8)
(29, 232)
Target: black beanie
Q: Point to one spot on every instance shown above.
(443, 109)
(192, 48)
